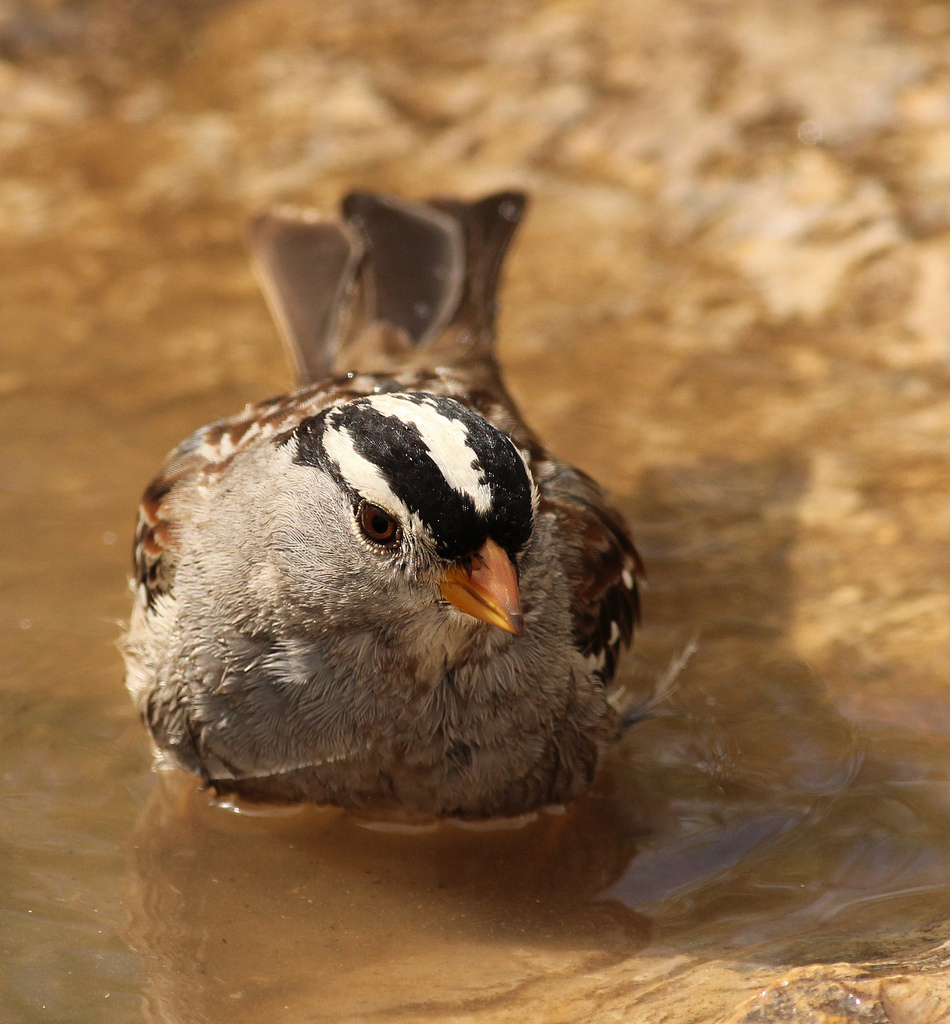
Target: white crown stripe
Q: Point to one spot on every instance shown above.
(361, 473)
(447, 443)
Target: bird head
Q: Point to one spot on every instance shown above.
(439, 501)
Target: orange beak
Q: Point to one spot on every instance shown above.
(489, 591)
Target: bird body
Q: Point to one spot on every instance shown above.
(380, 591)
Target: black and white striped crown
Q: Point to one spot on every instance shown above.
(417, 454)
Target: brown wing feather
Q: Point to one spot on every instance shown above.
(605, 563)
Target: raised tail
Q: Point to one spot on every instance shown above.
(394, 281)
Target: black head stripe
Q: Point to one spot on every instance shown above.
(460, 505)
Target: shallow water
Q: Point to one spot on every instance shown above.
(741, 334)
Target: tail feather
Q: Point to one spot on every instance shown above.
(307, 268)
(489, 225)
(415, 263)
(413, 269)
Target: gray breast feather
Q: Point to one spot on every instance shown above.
(274, 709)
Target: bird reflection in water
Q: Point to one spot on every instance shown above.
(267, 916)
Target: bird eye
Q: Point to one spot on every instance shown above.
(378, 525)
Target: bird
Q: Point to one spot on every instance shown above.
(380, 591)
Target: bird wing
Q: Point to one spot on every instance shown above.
(606, 566)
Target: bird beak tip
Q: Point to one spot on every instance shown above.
(489, 592)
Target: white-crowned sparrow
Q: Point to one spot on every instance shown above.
(380, 590)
